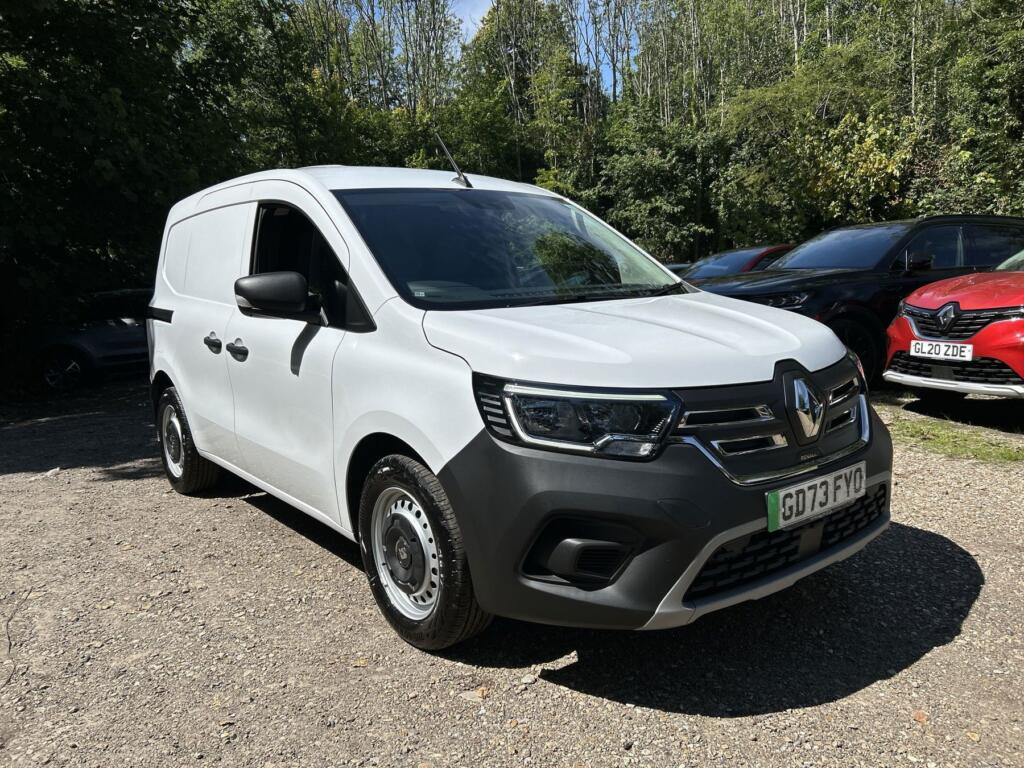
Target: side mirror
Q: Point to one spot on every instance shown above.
(919, 261)
(278, 294)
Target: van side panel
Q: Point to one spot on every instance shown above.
(392, 382)
(203, 257)
(214, 253)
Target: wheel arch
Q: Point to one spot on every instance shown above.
(863, 315)
(872, 324)
(368, 451)
(160, 382)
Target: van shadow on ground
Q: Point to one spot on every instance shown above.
(832, 634)
(107, 428)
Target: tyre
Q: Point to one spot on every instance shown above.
(64, 370)
(186, 470)
(414, 556)
(862, 340)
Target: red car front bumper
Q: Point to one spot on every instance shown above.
(997, 367)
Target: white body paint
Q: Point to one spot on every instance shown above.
(289, 418)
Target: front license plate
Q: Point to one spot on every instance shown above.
(942, 350)
(799, 503)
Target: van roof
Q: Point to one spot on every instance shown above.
(322, 179)
(334, 177)
(364, 177)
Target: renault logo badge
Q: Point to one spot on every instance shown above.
(809, 409)
(947, 315)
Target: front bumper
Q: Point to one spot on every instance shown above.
(674, 513)
(964, 387)
(998, 343)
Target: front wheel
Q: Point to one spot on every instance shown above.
(859, 338)
(414, 556)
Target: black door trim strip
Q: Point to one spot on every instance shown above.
(164, 315)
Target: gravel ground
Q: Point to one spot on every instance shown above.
(146, 628)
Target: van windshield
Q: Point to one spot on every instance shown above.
(470, 248)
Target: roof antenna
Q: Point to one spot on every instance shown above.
(460, 177)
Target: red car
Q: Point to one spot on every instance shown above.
(754, 259)
(962, 336)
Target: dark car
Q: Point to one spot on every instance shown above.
(853, 279)
(107, 336)
(754, 259)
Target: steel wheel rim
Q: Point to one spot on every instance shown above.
(170, 438)
(397, 510)
(61, 373)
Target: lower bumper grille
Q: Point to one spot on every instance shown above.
(984, 370)
(759, 555)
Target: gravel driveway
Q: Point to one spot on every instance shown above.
(146, 629)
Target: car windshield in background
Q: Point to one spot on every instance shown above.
(465, 249)
(724, 263)
(852, 248)
(1013, 264)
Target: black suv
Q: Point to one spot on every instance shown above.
(853, 279)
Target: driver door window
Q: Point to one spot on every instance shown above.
(287, 241)
(943, 246)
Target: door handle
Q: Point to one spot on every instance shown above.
(238, 350)
(213, 343)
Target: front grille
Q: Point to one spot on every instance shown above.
(753, 432)
(759, 555)
(964, 326)
(984, 370)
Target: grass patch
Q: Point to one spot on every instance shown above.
(955, 440)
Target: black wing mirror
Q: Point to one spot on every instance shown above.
(278, 294)
(919, 261)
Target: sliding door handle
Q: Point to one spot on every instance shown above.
(238, 350)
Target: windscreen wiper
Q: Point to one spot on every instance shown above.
(600, 295)
(665, 290)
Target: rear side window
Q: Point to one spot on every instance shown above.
(287, 241)
(176, 255)
(941, 244)
(988, 245)
(215, 253)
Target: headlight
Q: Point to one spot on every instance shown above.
(614, 424)
(786, 300)
(901, 309)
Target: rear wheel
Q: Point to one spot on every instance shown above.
(414, 556)
(186, 470)
(862, 340)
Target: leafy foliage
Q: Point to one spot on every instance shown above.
(690, 124)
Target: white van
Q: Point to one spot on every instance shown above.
(512, 408)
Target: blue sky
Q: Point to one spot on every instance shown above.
(471, 11)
